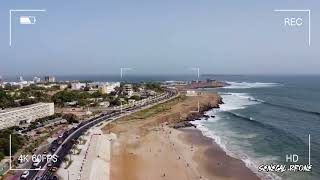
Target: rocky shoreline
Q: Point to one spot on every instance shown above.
(197, 115)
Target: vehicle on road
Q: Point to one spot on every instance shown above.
(53, 149)
(37, 163)
(25, 174)
(61, 146)
(53, 169)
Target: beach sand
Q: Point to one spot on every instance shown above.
(147, 148)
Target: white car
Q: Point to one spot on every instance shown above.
(37, 163)
(25, 174)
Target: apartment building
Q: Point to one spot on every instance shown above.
(25, 114)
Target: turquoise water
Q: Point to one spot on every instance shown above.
(266, 118)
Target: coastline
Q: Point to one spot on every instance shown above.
(151, 148)
(212, 160)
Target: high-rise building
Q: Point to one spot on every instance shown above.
(20, 78)
(50, 79)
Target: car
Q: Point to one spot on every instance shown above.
(60, 136)
(53, 169)
(49, 164)
(25, 174)
(37, 163)
(45, 152)
(54, 178)
(60, 142)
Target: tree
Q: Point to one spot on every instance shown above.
(96, 94)
(153, 86)
(71, 118)
(115, 102)
(5, 100)
(17, 142)
(135, 97)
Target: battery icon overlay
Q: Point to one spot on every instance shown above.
(27, 19)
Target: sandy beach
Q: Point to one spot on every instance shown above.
(148, 148)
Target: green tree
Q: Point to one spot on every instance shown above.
(71, 118)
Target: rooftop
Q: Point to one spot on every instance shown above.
(21, 107)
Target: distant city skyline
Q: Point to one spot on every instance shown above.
(158, 37)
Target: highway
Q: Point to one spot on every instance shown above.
(62, 145)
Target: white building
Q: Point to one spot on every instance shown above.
(50, 79)
(63, 86)
(191, 93)
(26, 114)
(77, 86)
(127, 89)
(108, 87)
(36, 79)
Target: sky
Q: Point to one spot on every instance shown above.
(159, 37)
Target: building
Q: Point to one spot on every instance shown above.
(50, 79)
(63, 86)
(36, 79)
(108, 88)
(20, 79)
(25, 114)
(103, 89)
(104, 103)
(77, 86)
(191, 93)
(127, 89)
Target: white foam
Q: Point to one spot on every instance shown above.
(234, 101)
(245, 85)
(249, 162)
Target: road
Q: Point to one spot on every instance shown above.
(62, 145)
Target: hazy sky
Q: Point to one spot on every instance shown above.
(159, 36)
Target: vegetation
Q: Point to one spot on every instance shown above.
(154, 110)
(34, 124)
(82, 97)
(5, 100)
(115, 102)
(17, 141)
(71, 118)
(22, 97)
(135, 97)
(68, 96)
(153, 86)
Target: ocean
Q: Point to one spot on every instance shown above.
(264, 119)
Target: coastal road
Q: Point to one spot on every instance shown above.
(70, 136)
